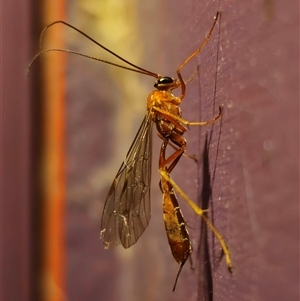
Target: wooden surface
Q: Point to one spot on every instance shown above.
(15, 189)
(254, 190)
(248, 172)
(253, 156)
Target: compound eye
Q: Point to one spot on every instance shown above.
(164, 83)
(165, 80)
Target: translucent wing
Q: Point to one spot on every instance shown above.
(126, 212)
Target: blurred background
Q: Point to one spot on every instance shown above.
(66, 129)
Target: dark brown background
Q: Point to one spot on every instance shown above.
(254, 155)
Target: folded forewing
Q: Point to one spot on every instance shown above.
(126, 212)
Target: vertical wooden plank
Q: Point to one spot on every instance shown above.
(15, 193)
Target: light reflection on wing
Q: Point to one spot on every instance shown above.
(126, 212)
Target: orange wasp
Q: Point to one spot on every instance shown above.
(126, 212)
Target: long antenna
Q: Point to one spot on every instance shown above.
(89, 57)
(134, 69)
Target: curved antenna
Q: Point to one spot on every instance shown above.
(138, 69)
(89, 57)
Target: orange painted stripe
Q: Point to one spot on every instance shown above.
(53, 166)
